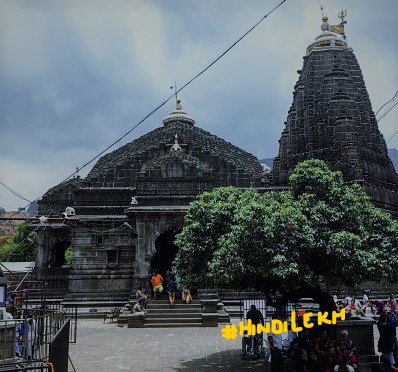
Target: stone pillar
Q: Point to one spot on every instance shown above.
(209, 312)
(136, 320)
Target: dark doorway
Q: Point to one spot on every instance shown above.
(166, 250)
(58, 253)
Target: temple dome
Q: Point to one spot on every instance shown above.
(228, 164)
(176, 158)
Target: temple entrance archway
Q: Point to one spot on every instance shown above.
(166, 251)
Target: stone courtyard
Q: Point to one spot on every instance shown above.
(107, 347)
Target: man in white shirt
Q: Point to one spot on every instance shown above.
(275, 344)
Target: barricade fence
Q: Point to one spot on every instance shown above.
(267, 311)
(239, 306)
(25, 342)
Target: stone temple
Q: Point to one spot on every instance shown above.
(331, 118)
(121, 220)
(129, 208)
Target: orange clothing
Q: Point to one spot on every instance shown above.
(156, 280)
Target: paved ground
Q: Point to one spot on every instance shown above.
(107, 347)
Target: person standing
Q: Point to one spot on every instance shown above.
(275, 343)
(157, 283)
(365, 297)
(256, 317)
(387, 341)
(172, 289)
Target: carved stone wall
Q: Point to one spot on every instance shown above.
(137, 192)
(103, 256)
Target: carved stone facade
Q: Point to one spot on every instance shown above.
(331, 118)
(132, 203)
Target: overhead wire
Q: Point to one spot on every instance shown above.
(391, 104)
(167, 99)
(385, 113)
(393, 136)
(392, 99)
(13, 191)
(176, 92)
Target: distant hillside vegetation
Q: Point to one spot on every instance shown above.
(393, 154)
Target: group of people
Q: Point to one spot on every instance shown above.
(355, 307)
(171, 287)
(157, 283)
(323, 352)
(304, 352)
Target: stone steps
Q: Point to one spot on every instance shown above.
(177, 307)
(162, 314)
(173, 319)
(172, 325)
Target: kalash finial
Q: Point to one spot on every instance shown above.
(325, 24)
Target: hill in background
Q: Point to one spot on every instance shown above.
(392, 153)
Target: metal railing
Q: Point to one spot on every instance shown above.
(25, 342)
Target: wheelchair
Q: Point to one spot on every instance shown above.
(255, 346)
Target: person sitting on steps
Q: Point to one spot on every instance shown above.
(186, 295)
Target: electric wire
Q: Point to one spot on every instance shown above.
(14, 192)
(391, 104)
(389, 109)
(176, 92)
(392, 99)
(393, 136)
(165, 101)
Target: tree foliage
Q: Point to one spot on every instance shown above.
(68, 256)
(19, 247)
(320, 230)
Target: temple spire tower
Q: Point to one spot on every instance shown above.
(331, 118)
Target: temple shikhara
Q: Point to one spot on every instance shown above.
(121, 220)
(331, 118)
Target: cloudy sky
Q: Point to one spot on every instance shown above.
(76, 75)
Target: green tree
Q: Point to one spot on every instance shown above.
(320, 230)
(21, 246)
(68, 256)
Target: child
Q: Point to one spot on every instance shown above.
(186, 295)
